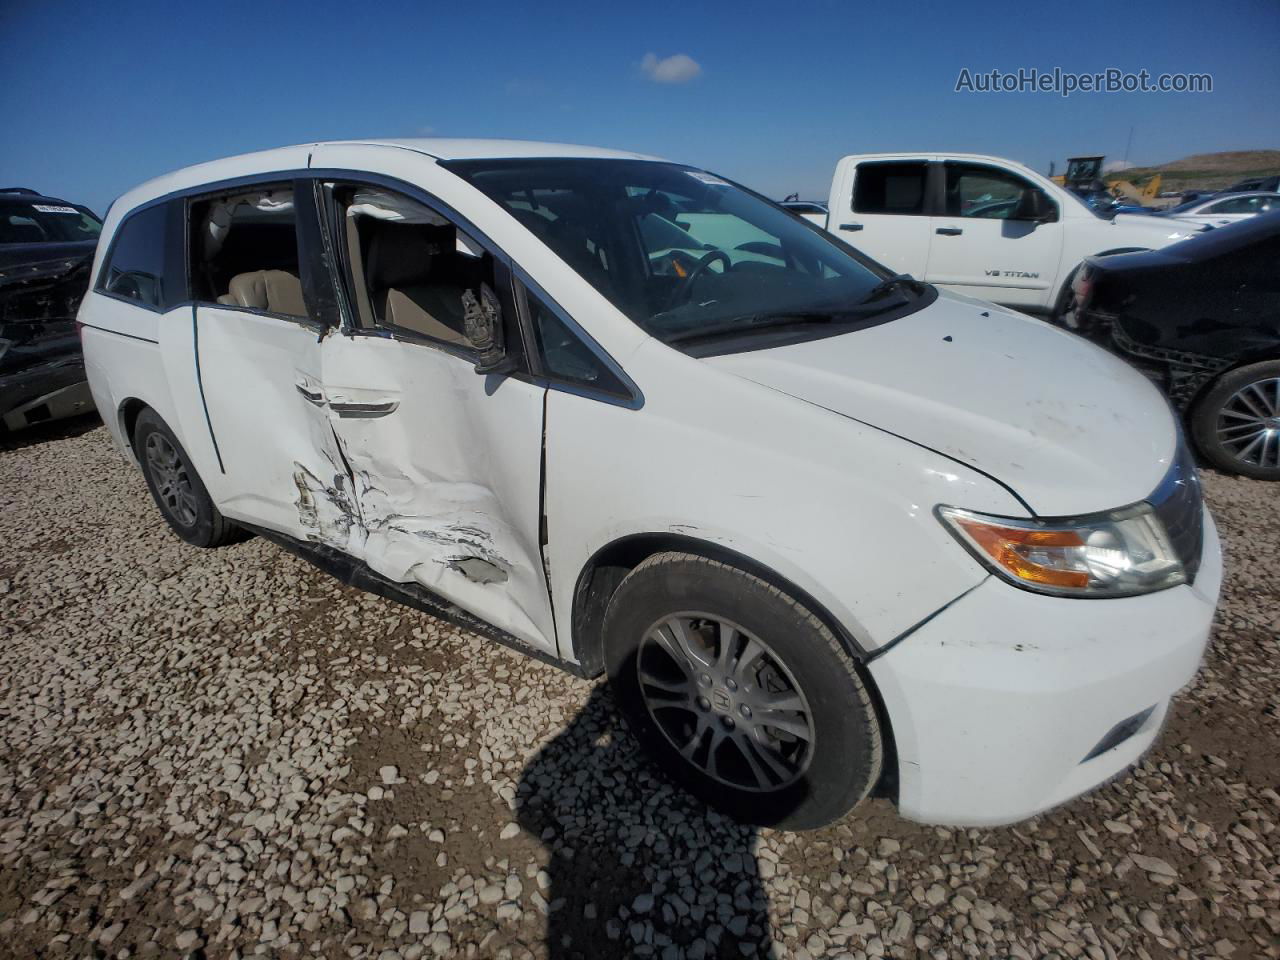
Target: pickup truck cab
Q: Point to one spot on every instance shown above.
(816, 522)
(980, 225)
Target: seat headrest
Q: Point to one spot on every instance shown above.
(401, 255)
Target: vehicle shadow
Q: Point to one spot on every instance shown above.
(637, 866)
(44, 432)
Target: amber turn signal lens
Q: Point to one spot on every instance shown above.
(1027, 554)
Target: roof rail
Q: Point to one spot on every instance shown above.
(34, 193)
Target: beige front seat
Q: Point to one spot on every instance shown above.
(276, 291)
(409, 285)
(416, 308)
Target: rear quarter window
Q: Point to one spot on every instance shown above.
(141, 265)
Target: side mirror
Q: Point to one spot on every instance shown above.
(1035, 206)
(482, 324)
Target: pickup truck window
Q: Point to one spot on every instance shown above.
(982, 192)
(891, 187)
(685, 254)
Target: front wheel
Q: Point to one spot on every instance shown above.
(1236, 424)
(740, 694)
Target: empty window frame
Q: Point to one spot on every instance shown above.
(244, 251)
(411, 270)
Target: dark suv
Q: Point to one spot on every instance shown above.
(46, 251)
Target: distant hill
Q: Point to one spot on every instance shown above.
(1205, 171)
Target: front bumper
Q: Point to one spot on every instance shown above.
(996, 703)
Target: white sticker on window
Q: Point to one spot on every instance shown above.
(44, 208)
(707, 178)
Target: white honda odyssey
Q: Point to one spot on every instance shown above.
(826, 529)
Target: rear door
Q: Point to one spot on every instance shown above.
(258, 359)
(447, 463)
(980, 247)
(885, 213)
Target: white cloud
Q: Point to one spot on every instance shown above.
(677, 68)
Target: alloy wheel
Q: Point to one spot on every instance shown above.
(1249, 423)
(172, 479)
(725, 701)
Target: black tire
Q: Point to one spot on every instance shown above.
(191, 512)
(1218, 409)
(844, 754)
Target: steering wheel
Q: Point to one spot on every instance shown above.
(685, 288)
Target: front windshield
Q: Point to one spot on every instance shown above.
(39, 221)
(685, 254)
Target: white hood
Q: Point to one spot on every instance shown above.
(1148, 230)
(1070, 428)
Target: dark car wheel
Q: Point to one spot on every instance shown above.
(1236, 424)
(176, 487)
(742, 695)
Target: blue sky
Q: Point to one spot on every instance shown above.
(98, 97)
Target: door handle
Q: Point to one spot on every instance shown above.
(949, 231)
(364, 411)
(312, 396)
(851, 226)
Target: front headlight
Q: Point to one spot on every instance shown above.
(1116, 554)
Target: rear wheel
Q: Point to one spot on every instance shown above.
(176, 487)
(742, 695)
(1236, 424)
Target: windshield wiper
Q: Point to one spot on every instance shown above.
(898, 281)
(751, 323)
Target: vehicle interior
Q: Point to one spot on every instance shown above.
(675, 249)
(245, 252)
(416, 266)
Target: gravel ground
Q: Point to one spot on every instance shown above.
(226, 753)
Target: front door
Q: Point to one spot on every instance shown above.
(257, 343)
(981, 248)
(446, 463)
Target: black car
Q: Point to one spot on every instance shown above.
(46, 250)
(1202, 319)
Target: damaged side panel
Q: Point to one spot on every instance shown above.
(326, 512)
(446, 481)
(265, 401)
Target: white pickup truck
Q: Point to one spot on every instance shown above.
(979, 225)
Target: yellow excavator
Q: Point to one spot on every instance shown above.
(1084, 176)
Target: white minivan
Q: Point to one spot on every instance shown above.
(826, 529)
